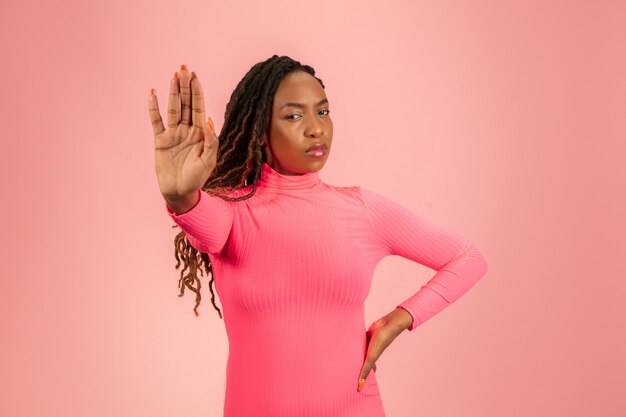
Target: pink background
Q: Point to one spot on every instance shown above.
(504, 121)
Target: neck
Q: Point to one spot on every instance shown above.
(272, 179)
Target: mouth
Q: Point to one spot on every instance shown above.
(317, 150)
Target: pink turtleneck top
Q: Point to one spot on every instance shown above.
(293, 265)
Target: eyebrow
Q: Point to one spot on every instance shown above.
(300, 105)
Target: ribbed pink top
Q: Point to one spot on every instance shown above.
(293, 266)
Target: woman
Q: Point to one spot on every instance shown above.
(292, 257)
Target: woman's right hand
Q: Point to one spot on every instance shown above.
(185, 151)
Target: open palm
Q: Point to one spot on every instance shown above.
(185, 151)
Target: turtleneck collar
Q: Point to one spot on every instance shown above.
(272, 179)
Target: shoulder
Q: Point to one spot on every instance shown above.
(371, 199)
(354, 193)
(357, 192)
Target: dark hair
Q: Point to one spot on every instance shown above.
(240, 155)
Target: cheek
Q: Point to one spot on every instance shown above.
(285, 138)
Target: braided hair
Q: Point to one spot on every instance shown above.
(240, 155)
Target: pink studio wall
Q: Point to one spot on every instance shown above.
(501, 120)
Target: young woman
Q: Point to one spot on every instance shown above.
(292, 256)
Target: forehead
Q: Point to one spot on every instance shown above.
(299, 87)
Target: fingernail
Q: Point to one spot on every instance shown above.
(183, 67)
(211, 125)
(152, 91)
(176, 75)
(361, 383)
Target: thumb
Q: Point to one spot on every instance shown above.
(209, 128)
(212, 126)
(209, 134)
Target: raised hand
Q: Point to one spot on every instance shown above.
(185, 151)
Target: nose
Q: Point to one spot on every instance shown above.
(315, 128)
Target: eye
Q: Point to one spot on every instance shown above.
(289, 116)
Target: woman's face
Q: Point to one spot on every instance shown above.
(300, 118)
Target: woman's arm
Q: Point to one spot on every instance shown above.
(458, 263)
(207, 224)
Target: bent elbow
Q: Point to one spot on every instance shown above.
(478, 260)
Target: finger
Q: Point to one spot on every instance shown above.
(197, 101)
(155, 115)
(185, 95)
(209, 129)
(173, 113)
(210, 141)
(364, 372)
(361, 383)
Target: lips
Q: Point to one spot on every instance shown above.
(317, 146)
(317, 151)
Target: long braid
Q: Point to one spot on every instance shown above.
(240, 156)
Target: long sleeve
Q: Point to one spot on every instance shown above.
(207, 224)
(401, 232)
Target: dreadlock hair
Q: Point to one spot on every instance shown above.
(240, 155)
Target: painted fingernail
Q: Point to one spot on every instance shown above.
(152, 91)
(183, 67)
(361, 383)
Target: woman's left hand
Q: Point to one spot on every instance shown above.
(380, 335)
